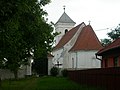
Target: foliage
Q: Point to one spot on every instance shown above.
(54, 71)
(114, 34)
(64, 73)
(105, 41)
(40, 66)
(23, 30)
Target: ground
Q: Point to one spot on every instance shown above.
(43, 83)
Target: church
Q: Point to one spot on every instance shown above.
(75, 46)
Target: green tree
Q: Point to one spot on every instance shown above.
(10, 36)
(23, 30)
(105, 41)
(114, 34)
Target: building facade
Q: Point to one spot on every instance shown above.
(110, 55)
(64, 24)
(77, 47)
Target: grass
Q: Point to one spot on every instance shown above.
(44, 83)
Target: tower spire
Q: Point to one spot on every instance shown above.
(64, 8)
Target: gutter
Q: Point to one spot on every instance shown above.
(98, 58)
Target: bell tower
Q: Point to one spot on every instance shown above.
(64, 24)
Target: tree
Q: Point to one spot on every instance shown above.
(105, 41)
(114, 34)
(11, 48)
(23, 29)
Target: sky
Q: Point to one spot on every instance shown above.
(103, 15)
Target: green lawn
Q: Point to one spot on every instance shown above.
(43, 83)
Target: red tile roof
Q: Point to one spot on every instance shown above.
(113, 45)
(67, 37)
(87, 40)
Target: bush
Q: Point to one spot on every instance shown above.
(64, 73)
(54, 71)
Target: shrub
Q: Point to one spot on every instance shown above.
(54, 71)
(64, 73)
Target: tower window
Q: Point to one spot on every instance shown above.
(66, 30)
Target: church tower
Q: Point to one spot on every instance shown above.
(64, 24)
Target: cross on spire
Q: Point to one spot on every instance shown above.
(89, 22)
(64, 8)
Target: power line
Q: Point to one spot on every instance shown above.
(110, 28)
(102, 29)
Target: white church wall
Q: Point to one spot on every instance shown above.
(72, 60)
(60, 28)
(84, 59)
(68, 46)
(50, 64)
(58, 57)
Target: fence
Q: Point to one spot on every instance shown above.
(108, 78)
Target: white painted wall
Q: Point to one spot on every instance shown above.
(60, 28)
(58, 56)
(84, 59)
(50, 64)
(68, 46)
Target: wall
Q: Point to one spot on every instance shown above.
(108, 61)
(58, 56)
(108, 57)
(7, 74)
(119, 60)
(60, 28)
(50, 64)
(66, 59)
(84, 59)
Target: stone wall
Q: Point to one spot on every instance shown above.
(7, 74)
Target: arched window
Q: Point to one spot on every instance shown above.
(66, 30)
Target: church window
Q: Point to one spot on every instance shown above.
(66, 30)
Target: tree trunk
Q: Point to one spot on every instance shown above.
(16, 74)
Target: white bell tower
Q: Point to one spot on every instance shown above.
(64, 24)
